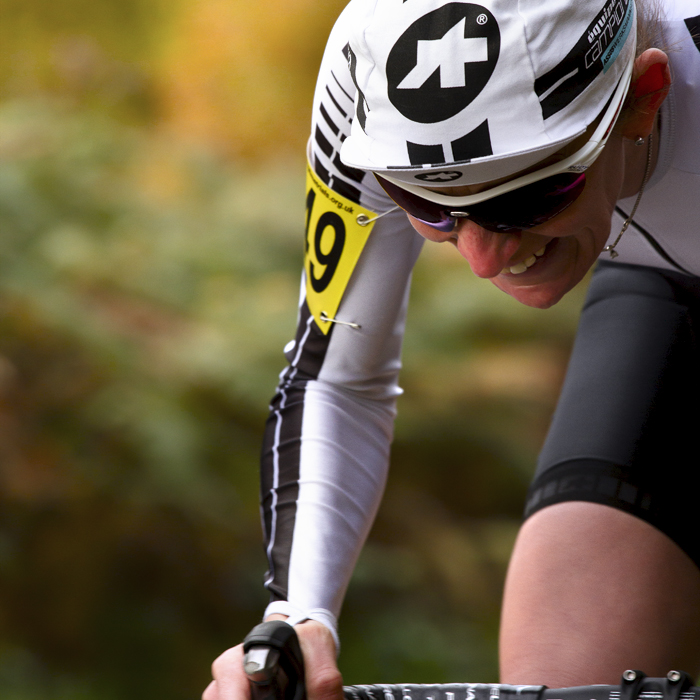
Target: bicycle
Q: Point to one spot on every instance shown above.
(274, 665)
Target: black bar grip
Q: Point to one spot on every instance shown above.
(273, 662)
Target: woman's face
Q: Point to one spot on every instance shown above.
(539, 265)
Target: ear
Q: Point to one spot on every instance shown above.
(651, 80)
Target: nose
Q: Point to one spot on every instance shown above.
(486, 252)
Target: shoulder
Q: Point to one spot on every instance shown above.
(680, 10)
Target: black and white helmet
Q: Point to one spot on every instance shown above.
(452, 93)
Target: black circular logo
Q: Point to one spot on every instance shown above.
(439, 176)
(443, 61)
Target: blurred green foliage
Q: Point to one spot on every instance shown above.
(151, 210)
(142, 321)
(147, 289)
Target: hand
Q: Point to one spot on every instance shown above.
(323, 679)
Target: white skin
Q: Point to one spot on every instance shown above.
(590, 590)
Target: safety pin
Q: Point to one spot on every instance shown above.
(325, 317)
(364, 220)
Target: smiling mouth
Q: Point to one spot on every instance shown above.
(526, 264)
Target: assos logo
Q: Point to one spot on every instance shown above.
(443, 61)
(440, 176)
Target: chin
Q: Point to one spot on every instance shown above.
(563, 266)
(535, 296)
(541, 291)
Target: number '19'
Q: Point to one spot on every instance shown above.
(330, 259)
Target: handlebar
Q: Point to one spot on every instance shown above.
(275, 668)
(676, 686)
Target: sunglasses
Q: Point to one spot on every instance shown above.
(511, 212)
(524, 202)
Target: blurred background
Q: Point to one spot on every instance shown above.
(151, 211)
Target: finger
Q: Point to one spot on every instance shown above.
(325, 684)
(230, 680)
(323, 679)
(210, 692)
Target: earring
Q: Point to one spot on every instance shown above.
(639, 141)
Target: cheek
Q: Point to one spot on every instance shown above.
(587, 219)
(590, 215)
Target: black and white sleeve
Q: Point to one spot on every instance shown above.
(326, 448)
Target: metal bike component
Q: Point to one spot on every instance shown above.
(260, 664)
(448, 691)
(631, 684)
(677, 683)
(635, 685)
(273, 662)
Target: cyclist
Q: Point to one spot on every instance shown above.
(520, 132)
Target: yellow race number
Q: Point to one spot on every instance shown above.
(334, 242)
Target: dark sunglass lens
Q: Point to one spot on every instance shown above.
(425, 211)
(564, 192)
(511, 212)
(531, 205)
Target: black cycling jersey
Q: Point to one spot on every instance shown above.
(623, 433)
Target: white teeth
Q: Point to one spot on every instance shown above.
(525, 264)
(517, 269)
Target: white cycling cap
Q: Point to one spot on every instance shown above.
(457, 93)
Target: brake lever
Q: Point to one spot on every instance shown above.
(273, 662)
